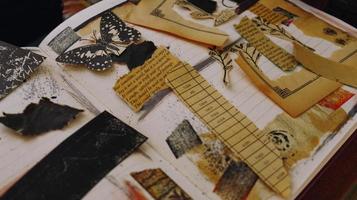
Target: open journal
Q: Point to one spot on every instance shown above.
(167, 99)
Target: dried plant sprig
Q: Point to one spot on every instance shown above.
(225, 60)
(250, 53)
(277, 31)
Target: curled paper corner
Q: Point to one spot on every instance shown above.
(335, 71)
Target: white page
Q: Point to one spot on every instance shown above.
(170, 112)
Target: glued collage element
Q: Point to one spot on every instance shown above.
(76, 165)
(16, 65)
(232, 127)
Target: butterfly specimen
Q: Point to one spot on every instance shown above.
(113, 33)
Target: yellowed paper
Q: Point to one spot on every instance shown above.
(143, 82)
(196, 13)
(232, 127)
(295, 93)
(342, 73)
(297, 138)
(267, 14)
(159, 15)
(273, 52)
(224, 16)
(311, 25)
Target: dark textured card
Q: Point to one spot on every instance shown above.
(183, 138)
(80, 162)
(40, 118)
(16, 65)
(159, 185)
(136, 54)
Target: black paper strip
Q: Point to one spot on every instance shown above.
(78, 163)
(206, 5)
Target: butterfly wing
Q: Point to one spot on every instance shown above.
(94, 56)
(113, 29)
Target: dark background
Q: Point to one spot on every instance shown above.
(26, 22)
(23, 22)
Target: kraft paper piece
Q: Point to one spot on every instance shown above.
(262, 43)
(297, 138)
(143, 82)
(311, 25)
(159, 15)
(295, 92)
(267, 14)
(339, 72)
(232, 127)
(196, 13)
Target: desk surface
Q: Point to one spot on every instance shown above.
(338, 178)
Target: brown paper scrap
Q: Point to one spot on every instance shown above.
(144, 81)
(273, 52)
(296, 138)
(159, 15)
(295, 92)
(339, 72)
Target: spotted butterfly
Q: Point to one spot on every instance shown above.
(98, 56)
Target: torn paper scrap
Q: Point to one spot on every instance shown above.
(232, 127)
(159, 15)
(16, 65)
(267, 14)
(136, 54)
(183, 139)
(236, 182)
(143, 82)
(273, 52)
(345, 74)
(290, 91)
(40, 118)
(159, 185)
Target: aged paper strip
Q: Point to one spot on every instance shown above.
(273, 52)
(311, 25)
(346, 74)
(144, 81)
(159, 15)
(232, 127)
(295, 93)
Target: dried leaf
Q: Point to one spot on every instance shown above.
(40, 118)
